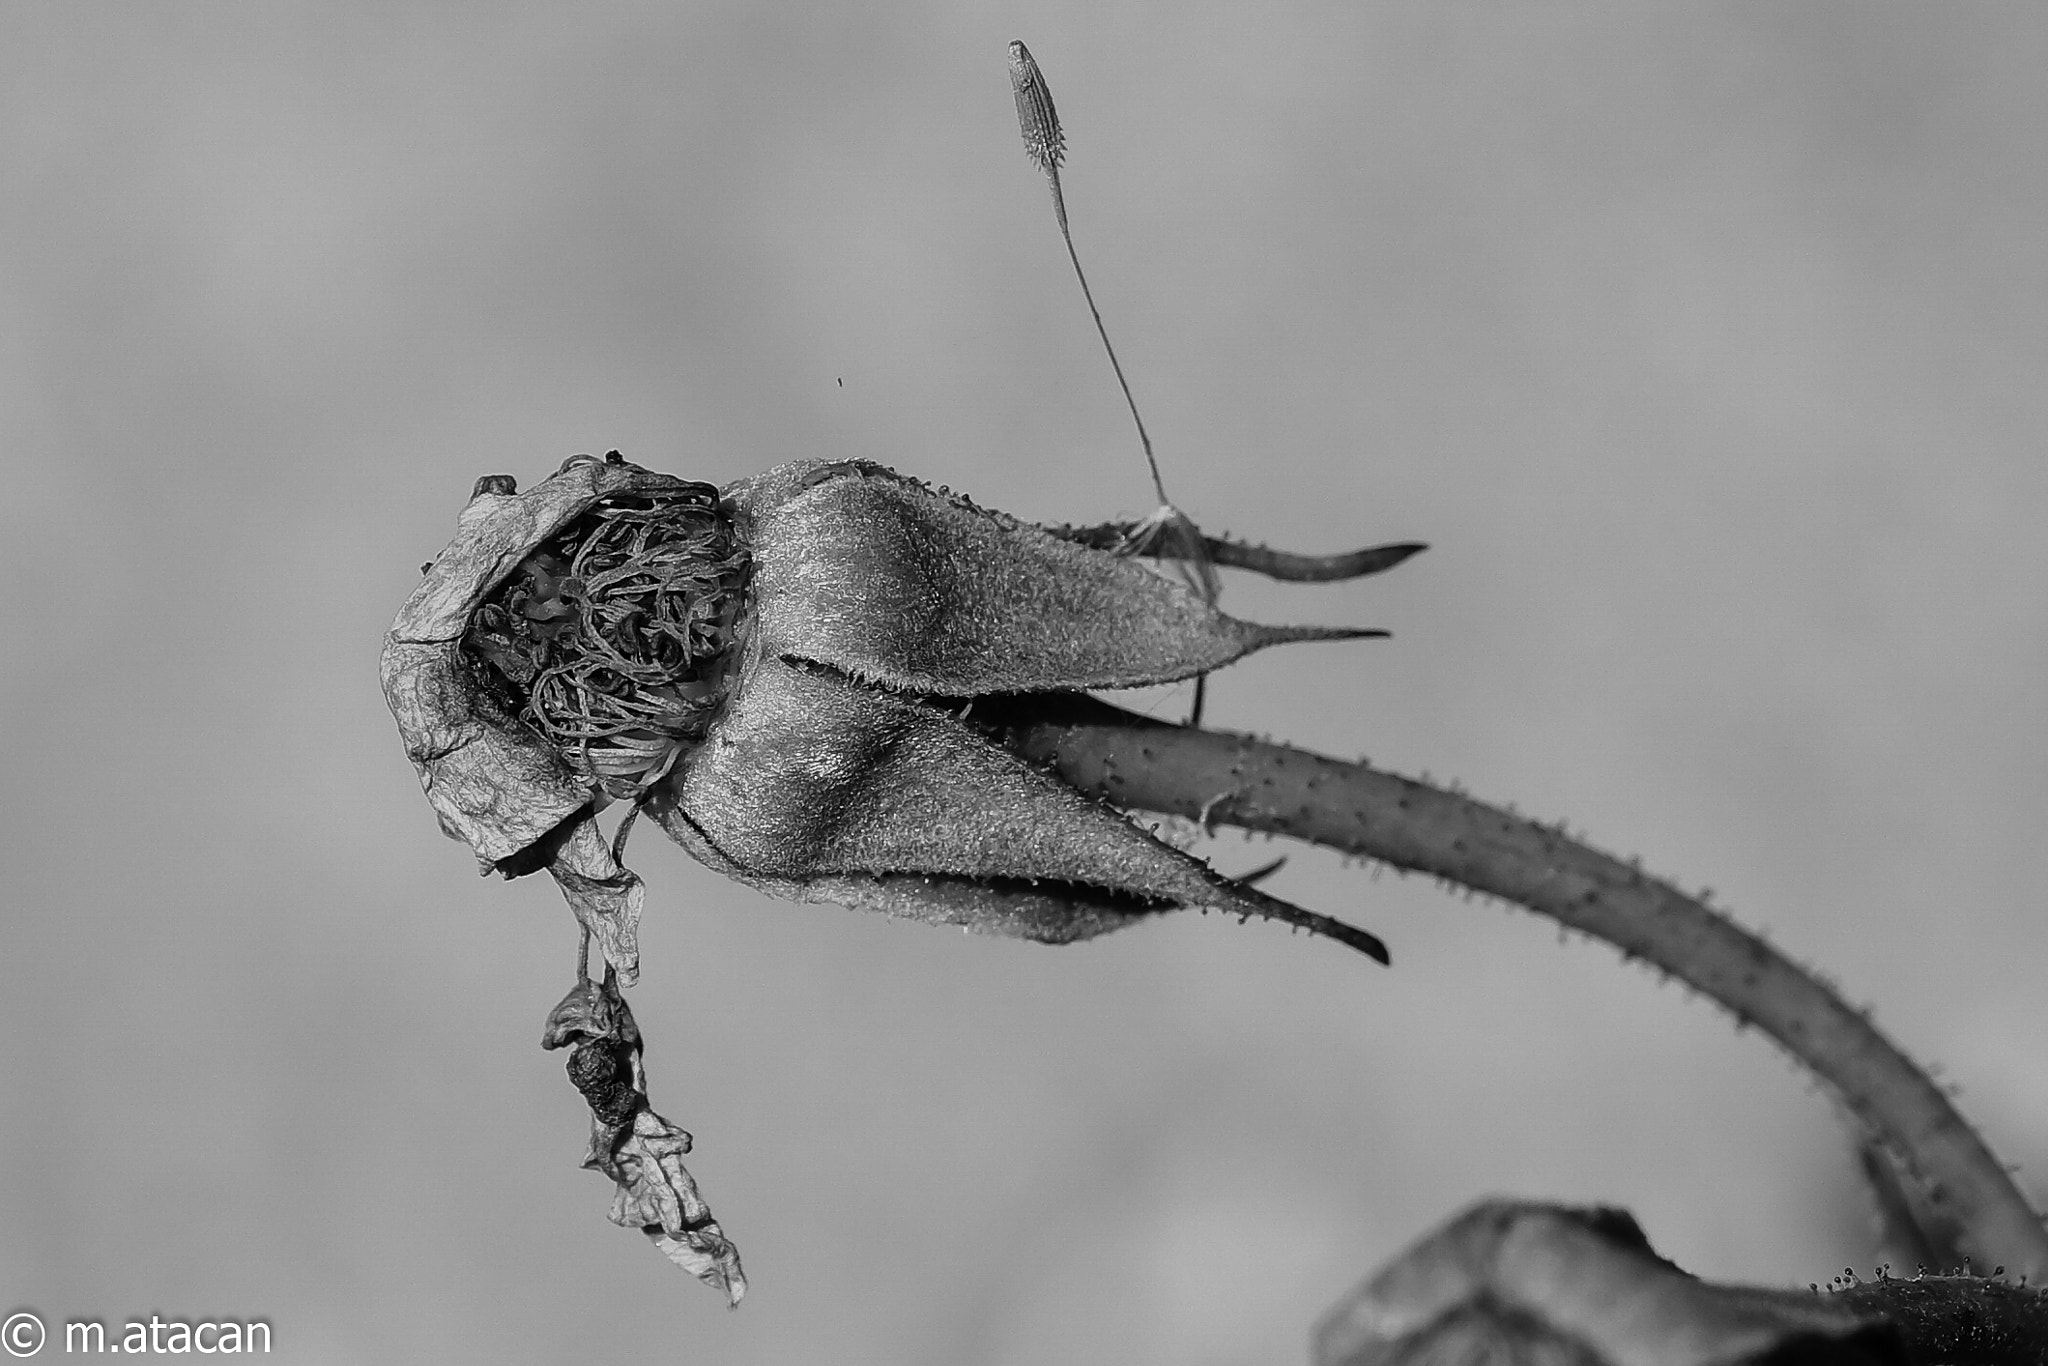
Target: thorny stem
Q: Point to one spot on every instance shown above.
(1139, 762)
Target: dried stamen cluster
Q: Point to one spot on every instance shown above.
(614, 639)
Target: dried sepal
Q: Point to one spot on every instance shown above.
(1225, 553)
(917, 590)
(815, 788)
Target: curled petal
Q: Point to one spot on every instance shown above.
(657, 1195)
(494, 783)
(605, 896)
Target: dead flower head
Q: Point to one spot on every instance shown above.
(781, 675)
(776, 674)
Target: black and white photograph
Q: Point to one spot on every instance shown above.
(1005, 684)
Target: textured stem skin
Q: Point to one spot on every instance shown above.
(1238, 780)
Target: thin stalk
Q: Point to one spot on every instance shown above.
(1144, 437)
(1138, 762)
(1046, 143)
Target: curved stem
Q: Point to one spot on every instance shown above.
(1137, 762)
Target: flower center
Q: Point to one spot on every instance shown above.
(614, 639)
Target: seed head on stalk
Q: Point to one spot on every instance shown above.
(1045, 142)
(1168, 528)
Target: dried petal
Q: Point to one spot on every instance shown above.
(638, 1149)
(657, 1195)
(493, 782)
(591, 1010)
(605, 896)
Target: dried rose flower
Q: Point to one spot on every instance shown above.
(780, 674)
(775, 674)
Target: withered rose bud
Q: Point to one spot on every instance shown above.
(776, 673)
(519, 801)
(779, 674)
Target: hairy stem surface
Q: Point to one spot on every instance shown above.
(1238, 780)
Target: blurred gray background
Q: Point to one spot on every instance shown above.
(1705, 346)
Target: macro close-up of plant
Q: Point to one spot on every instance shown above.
(837, 684)
(784, 674)
(960, 683)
